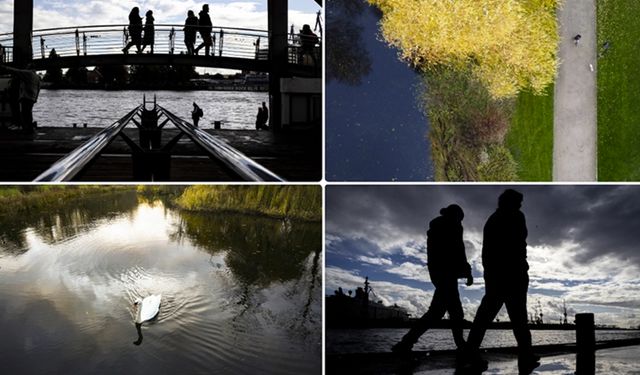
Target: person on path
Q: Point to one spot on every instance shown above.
(190, 28)
(135, 30)
(205, 27)
(149, 32)
(504, 258)
(447, 262)
(196, 114)
(28, 90)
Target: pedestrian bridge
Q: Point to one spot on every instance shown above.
(233, 48)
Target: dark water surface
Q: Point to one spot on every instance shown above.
(375, 128)
(240, 294)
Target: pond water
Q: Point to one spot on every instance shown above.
(100, 108)
(240, 294)
(376, 129)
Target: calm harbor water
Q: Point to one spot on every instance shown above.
(381, 340)
(240, 294)
(376, 128)
(98, 108)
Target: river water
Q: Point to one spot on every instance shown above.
(381, 340)
(99, 108)
(240, 294)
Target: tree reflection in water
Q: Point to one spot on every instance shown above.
(347, 59)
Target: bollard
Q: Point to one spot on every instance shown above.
(84, 125)
(217, 125)
(585, 344)
(75, 125)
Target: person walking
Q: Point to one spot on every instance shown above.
(308, 41)
(205, 27)
(135, 30)
(504, 257)
(190, 28)
(149, 32)
(447, 262)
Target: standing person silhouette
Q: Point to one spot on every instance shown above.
(447, 262)
(135, 30)
(205, 30)
(504, 257)
(149, 31)
(190, 28)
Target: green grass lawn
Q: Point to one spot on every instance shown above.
(619, 91)
(530, 137)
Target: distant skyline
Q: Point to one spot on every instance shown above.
(245, 14)
(582, 245)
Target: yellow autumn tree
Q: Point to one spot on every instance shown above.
(508, 45)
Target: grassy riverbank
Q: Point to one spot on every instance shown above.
(618, 88)
(297, 201)
(14, 199)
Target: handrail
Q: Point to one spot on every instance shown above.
(246, 168)
(68, 167)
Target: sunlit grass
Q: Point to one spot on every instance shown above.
(619, 91)
(530, 137)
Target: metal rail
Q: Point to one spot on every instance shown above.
(239, 163)
(168, 39)
(68, 167)
(75, 162)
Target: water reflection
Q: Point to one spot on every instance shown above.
(240, 294)
(376, 127)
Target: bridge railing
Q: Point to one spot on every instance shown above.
(73, 164)
(168, 39)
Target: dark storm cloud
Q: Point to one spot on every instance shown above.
(601, 220)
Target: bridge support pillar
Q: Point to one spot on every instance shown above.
(22, 30)
(278, 51)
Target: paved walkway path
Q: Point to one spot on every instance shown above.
(575, 101)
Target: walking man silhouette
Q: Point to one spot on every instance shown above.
(504, 257)
(447, 262)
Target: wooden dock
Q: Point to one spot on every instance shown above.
(293, 155)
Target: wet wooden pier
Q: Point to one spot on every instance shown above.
(293, 155)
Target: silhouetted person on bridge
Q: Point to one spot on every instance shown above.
(308, 41)
(149, 31)
(196, 114)
(135, 30)
(504, 257)
(447, 262)
(28, 83)
(205, 27)
(190, 28)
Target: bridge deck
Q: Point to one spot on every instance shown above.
(295, 155)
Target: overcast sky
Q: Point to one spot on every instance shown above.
(582, 245)
(246, 14)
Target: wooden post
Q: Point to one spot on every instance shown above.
(278, 57)
(22, 29)
(585, 344)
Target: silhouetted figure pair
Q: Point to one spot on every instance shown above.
(506, 277)
(205, 27)
(190, 29)
(262, 117)
(135, 30)
(504, 258)
(447, 263)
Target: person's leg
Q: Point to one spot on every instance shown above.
(516, 303)
(27, 115)
(487, 311)
(456, 315)
(436, 312)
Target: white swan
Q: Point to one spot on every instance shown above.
(148, 308)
